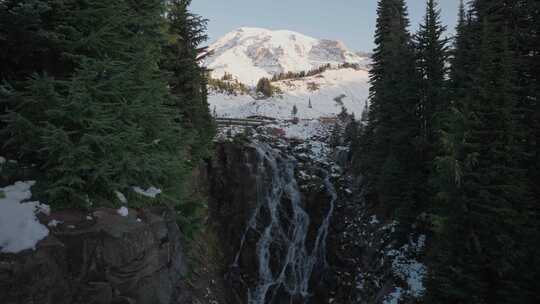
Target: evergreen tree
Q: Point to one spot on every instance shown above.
(27, 46)
(98, 122)
(294, 111)
(393, 130)
(432, 55)
(450, 221)
(463, 58)
(364, 117)
(532, 66)
(336, 136)
(26, 29)
(187, 79)
(188, 89)
(351, 130)
(484, 193)
(265, 88)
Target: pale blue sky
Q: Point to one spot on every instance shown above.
(351, 21)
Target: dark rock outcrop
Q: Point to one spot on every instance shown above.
(99, 258)
(232, 187)
(238, 178)
(371, 261)
(232, 180)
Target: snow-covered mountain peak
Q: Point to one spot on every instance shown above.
(250, 53)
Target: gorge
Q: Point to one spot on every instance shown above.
(141, 165)
(291, 236)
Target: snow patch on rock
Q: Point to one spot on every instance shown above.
(123, 211)
(54, 223)
(408, 268)
(304, 130)
(121, 197)
(394, 297)
(151, 192)
(19, 227)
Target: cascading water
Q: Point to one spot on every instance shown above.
(286, 258)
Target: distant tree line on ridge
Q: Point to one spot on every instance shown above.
(228, 85)
(313, 72)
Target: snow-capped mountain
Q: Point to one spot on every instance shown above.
(249, 54)
(252, 53)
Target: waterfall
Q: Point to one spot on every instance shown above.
(285, 263)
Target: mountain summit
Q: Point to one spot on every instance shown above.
(252, 53)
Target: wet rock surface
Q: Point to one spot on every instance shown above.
(365, 260)
(272, 201)
(99, 257)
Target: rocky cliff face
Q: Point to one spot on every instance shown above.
(272, 224)
(99, 258)
(357, 254)
(371, 261)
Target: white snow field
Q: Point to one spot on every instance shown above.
(348, 85)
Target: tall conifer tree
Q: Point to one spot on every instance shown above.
(432, 55)
(389, 158)
(187, 79)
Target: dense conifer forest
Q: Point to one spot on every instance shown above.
(451, 137)
(100, 96)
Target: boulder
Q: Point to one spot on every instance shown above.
(99, 258)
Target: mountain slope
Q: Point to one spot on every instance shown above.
(252, 53)
(334, 88)
(249, 54)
